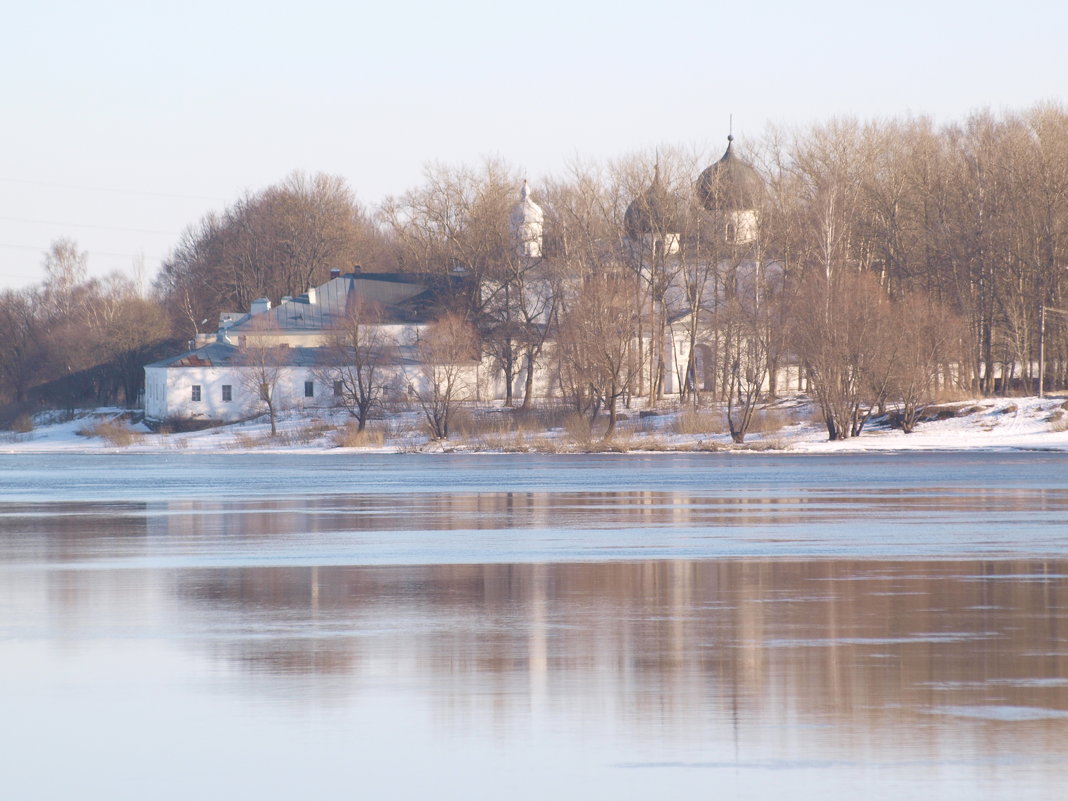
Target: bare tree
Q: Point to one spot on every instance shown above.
(357, 360)
(20, 342)
(587, 241)
(597, 345)
(127, 328)
(753, 324)
(700, 281)
(655, 222)
(518, 317)
(928, 341)
(831, 163)
(456, 221)
(263, 368)
(841, 332)
(267, 244)
(447, 352)
(189, 281)
(66, 268)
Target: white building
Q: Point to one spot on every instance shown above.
(291, 346)
(215, 379)
(216, 382)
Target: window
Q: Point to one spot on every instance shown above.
(339, 389)
(227, 393)
(309, 389)
(195, 395)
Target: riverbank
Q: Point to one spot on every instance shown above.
(788, 425)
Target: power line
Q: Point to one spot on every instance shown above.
(108, 189)
(44, 250)
(88, 225)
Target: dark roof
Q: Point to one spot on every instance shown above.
(730, 184)
(397, 297)
(212, 355)
(221, 354)
(655, 211)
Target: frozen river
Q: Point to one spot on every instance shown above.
(521, 627)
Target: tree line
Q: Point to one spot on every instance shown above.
(893, 258)
(73, 340)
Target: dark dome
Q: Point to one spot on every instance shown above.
(730, 184)
(655, 212)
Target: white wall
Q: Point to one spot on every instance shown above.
(168, 392)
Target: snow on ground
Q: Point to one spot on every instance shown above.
(791, 425)
(987, 424)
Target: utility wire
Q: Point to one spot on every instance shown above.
(88, 225)
(107, 189)
(44, 250)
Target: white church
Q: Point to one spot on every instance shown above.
(217, 379)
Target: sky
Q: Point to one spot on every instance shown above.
(125, 122)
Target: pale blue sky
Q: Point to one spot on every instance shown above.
(126, 121)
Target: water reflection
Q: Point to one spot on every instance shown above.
(427, 528)
(568, 510)
(633, 643)
(870, 644)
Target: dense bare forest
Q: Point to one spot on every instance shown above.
(892, 259)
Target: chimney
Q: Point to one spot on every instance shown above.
(259, 306)
(335, 273)
(313, 295)
(357, 270)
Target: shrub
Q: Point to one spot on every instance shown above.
(704, 446)
(542, 418)
(114, 432)
(242, 441)
(349, 436)
(500, 439)
(774, 444)
(404, 428)
(462, 422)
(545, 445)
(697, 422)
(649, 442)
(23, 424)
(768, 421)
(578, 430)
(311, 431)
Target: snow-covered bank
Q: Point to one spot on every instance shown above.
(987, 424)
(791, 425)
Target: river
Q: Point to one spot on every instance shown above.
(486, 627)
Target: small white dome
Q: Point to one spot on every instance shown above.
(527, 219)
(526, 211)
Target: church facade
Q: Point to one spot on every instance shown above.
(218, 379)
